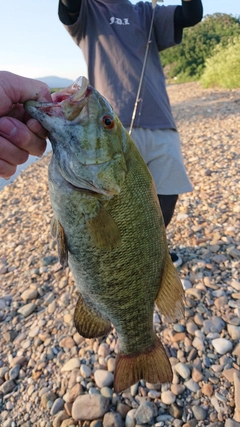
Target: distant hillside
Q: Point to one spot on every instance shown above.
(55, 82)
(187, 60)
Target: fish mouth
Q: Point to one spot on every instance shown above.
(67, 103)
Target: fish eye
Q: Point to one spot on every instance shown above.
(108, 122)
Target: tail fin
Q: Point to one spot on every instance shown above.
(153, 366)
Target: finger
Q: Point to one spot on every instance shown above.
(16, 89)
(6, 169)
(10, 157)
(12, 154)
(35, 127)
(21, 136)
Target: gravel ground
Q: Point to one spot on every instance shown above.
(50, 375)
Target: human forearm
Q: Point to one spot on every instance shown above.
(189, 14)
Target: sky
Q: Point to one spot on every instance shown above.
(34, 43)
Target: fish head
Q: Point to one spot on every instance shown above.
(88, 139)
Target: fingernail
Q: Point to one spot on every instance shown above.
(7, 127)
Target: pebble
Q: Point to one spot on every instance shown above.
(45, 362)
(14, 372)
(186, 284)
(71, 364)
(73, 393)
(29, 294)
(234, 332)
(168, 397)
(103, 378)
(85, 371)
(27, 309)
(231, 423)
(67, 342)
(207, 389)
(7, 387)
(112, 419)
(235, 285)
(47, 397)
(57, 406)
(107, 392)
(144, 413)
(177, 388)
(89, 407)
(183, 370)
(198, 343)
(191, 328)
(215, 324)
(130, 418)
(222, 345)
(154, 394)
(199, 412)
(59, 419)
(192, 385)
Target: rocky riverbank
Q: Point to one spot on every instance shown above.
(50, 375)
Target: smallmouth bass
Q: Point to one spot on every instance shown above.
(110, 230)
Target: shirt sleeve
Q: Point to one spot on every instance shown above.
(164, 27)
(65, 11)
(187, 15)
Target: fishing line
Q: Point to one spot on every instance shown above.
(154, 2)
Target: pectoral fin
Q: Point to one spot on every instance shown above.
(88, 321)
(170, 298)
(58, 232)
(104, 230)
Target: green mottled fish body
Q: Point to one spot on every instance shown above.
(110, 231)
(118, 281)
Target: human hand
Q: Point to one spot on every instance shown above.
(20, 135)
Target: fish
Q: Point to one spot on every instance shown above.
(110, 231)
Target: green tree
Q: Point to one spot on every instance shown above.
(223, 68)
(188, 59)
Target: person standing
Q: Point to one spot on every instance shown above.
(113, 36)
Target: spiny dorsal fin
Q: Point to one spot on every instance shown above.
(170, 298)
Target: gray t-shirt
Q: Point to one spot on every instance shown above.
(112, 35)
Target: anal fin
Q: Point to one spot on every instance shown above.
(170, 298)
(152, 366)
(88, 321)
(104, 230)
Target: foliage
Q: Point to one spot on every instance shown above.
(223, 68)
(187, 60)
